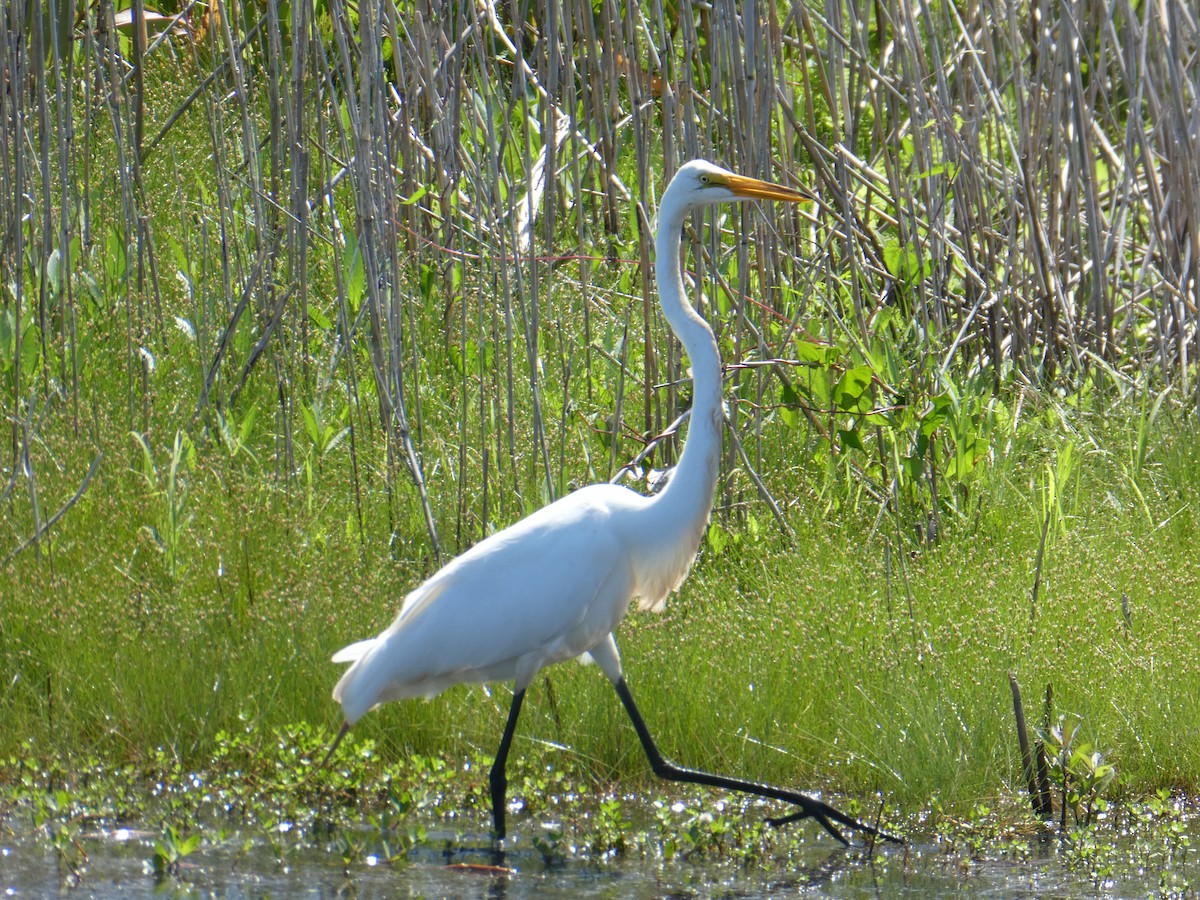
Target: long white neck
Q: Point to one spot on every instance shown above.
(688, 496)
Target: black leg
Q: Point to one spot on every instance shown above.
(497, 779)
(809, 806)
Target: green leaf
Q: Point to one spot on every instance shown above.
(54, 273)
(417, 195)
(902, 263)
(8, 338)
(812, 352)
(724, 305)
(949, 169)
(851, 438)
(116, 264)
(311, 427)
(149, 470)
(853, 391)
(789, 406)
(352, 268)
(717, 538)
(319, 319)
(817, 383)
(247, 424)
(428, 278)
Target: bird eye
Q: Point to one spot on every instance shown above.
(703, 179)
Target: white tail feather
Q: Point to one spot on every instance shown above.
(354, 652)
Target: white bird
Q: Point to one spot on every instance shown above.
(556, 584)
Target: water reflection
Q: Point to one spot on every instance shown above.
(117, 863)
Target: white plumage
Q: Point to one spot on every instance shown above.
(556, 584)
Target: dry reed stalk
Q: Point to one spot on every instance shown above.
(1035, 170)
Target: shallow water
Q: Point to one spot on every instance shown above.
(118, 864)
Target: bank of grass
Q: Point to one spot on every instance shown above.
(237, 530)
(847, 656)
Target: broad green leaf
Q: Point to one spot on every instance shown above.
(789, 405)
(853, 392)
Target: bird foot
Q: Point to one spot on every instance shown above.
(823, 812)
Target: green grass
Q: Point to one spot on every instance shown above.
(821, 661)
(221, 555)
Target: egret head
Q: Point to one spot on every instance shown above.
(700, 182)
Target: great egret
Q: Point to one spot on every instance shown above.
(556, 584)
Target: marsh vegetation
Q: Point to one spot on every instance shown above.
(300, 300)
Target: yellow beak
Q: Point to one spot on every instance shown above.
(763, 190)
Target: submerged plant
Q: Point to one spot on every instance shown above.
(393, 830)
(171, 849)
(53, 814)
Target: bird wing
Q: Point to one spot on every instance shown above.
(548, 588)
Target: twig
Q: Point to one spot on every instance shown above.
(670, 431)
(754, 476)
(227, 337)
(204, 85)
(1036, 798)
(49, 523)
(1037, 569)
